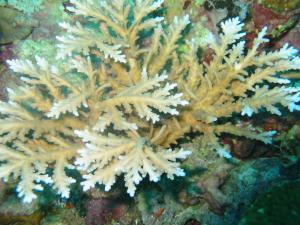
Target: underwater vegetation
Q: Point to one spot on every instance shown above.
(280, 5)
(26, 6)
(12, 25)
(133, 97)
(284, 199)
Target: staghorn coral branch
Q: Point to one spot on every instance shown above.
(99, 12)
(235, 82)
(120, 83)
(47, 126)
(170, 44)
(105, 157)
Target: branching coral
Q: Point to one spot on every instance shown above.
(97, 120)
(236, 81)
(119, 117)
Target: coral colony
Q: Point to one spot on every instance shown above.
(136, 95)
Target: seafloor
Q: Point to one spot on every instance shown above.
(260, 185)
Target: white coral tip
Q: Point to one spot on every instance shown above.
(247, 110)
(131, 192)
(223, 152)
(183, 154)
(29, 198)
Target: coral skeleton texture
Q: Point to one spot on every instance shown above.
(128, 106)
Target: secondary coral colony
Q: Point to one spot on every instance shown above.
(123, 94)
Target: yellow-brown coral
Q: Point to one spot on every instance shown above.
(237, 81)
(112, 121)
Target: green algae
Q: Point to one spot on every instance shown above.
(26, 6)
(14, 25)
(29, 48)
(33, 219)
(63, 216)
(279, 206)
(280, 5)
(12, 212)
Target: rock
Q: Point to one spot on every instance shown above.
(63, 216)
(228, 192)
(103, 211)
